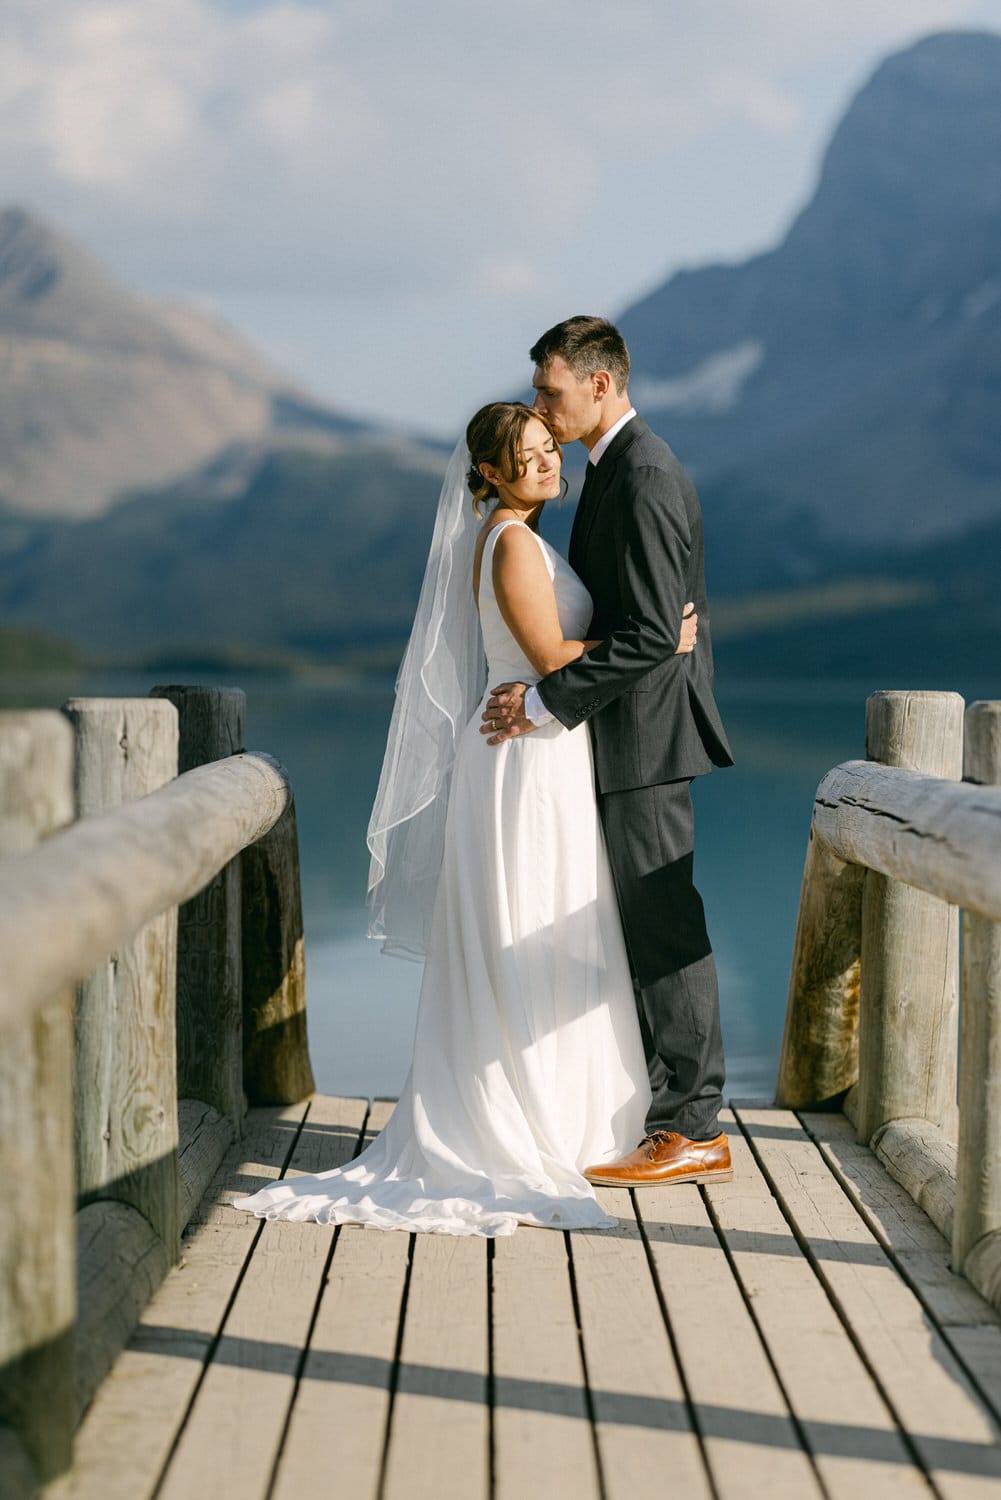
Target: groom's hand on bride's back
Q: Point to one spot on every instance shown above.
(504, 716)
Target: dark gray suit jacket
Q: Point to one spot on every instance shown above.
(637, 545)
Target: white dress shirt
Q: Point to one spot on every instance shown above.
(535, 709)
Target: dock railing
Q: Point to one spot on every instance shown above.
(899, 846)
(152, 983)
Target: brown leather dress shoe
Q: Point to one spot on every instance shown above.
(665, 1156)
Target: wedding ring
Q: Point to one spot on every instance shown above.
(495, 723)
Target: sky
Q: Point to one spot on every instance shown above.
(393, 200)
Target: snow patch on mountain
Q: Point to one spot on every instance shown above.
(715, 384)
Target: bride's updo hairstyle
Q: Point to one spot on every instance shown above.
(494, 437)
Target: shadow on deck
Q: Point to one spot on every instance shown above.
(794, 1333)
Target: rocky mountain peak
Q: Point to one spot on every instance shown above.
(909, 199)
(51, 287)
(844, 385)
(30, 265)
(905, 222)
(106, 390)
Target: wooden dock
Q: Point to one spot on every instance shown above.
(797, 1332)
(794, 1333)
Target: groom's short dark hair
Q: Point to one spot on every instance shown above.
(587, 345)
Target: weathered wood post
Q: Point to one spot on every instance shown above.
(978, 1174)
(209, 978)
(126, 1076)
(276, 1066)
(910, 940)
(819, 1058)
(37, 1241)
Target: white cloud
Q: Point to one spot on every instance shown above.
(103, 102)
(367, 121)
(511, 274)
(508, 160)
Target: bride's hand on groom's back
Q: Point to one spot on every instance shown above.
(689, 630)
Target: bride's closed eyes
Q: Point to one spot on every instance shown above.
(526, 455)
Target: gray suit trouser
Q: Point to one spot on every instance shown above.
(649, 836)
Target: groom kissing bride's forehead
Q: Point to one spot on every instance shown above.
(637, 546)
(533, 841)
(581, 378)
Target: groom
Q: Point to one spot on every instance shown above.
(637, 546)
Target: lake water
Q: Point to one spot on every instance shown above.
(752, 822)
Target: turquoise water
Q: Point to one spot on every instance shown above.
(752, 822)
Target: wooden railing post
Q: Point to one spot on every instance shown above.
(209, 977)
(126, 1074)
(819, 1057)
(978, 1167)
(276, 1066)
(910, 940)
(37, 1241)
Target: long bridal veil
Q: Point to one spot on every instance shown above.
(440, 681)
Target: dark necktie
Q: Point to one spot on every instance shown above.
(580, 518)
(586, 487)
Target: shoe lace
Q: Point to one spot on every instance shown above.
(654, 1137)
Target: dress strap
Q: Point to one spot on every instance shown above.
(495, 532)
(487, 555)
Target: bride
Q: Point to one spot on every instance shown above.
(528, 1062)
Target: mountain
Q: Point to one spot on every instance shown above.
(838, 400)
(105, 391)
(315, 555)
(842, 392)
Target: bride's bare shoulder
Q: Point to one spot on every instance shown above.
(490, 525)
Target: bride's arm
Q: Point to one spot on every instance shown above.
(527, 602)
(525, 597)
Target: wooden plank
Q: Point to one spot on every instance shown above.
(236, 1424)
(126, 1435)
(642, 1420)
(750, 1440)
(979, 1350)
(948, 1425)
(439, 1441)
(900, 1226)
(543, 1441)
(346, 1383)
(855, 1441)
(970, 1326)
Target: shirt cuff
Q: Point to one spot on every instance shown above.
(535, 709)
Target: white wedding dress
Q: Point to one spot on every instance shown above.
(528, 1063)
